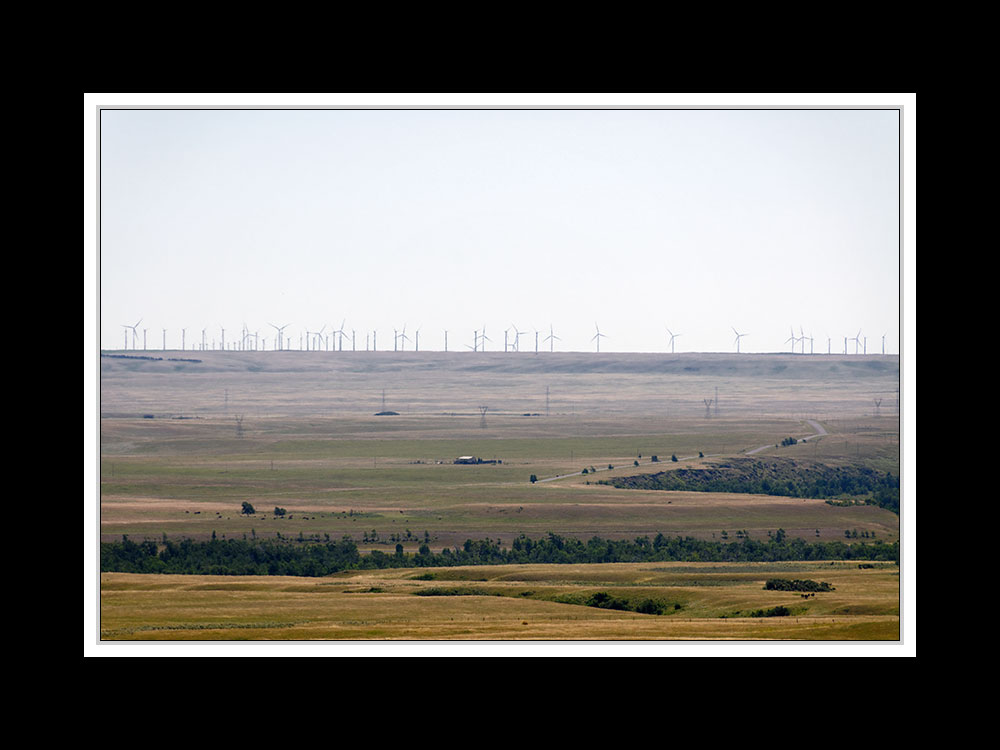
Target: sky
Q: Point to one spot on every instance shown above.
(698, 221)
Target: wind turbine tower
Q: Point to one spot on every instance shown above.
(551, 338)
(279, 335)
(597, 337)
(737, 341)
(135, 334)
(672, 337)
(517, 339)
(791, 338)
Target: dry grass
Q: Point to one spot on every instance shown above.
(310, 443)
(505, 603)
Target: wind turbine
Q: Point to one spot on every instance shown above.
(598, 336)
(134, 333)
(738, 337)
(316, 337)
(484, 338)
(403, 338)
(278, 336)
(791, 338)
(340, 332)
(551, 338)
(672, 337)
(857, 341)
(517, 338)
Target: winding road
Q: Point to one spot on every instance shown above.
(820, 432)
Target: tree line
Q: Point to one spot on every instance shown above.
(287, 557)
(819, 482)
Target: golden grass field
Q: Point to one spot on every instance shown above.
(183, 444)
(513, 603)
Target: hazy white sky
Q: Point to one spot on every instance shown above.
(637, 220)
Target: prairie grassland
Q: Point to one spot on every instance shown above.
(704, 601)
(175, 460)
(184, 444)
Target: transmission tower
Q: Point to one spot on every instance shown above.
(482, 419)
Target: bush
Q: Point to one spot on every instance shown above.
(783, 584)
(778, 611)
(247, 509)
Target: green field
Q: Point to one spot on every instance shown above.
(184, 444)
